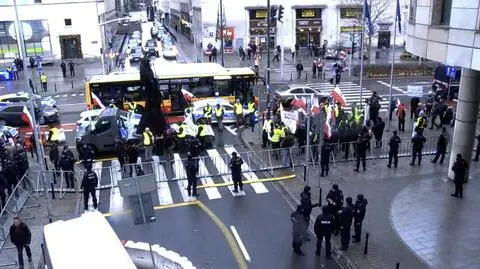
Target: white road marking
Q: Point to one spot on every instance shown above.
(240, 244)
(228, 128)
(393, 87)
(180, 173)
(65, 95)
(163, 190)
(74, 94)
(116, 200)
(73, 104)
(81, 94)
(222, 167)
(212, 192)
(57, 96)
(257, 187)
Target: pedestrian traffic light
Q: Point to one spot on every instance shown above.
(280, 13)
(273, 13)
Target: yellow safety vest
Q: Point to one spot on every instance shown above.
(238, 108)
(207, 111)
(251, 107)
(326, 107)
(55, 134)
(204, 130)
(43, 78)
(267, 126)
(219, 112)
(284, 130)
(112, 106)
(132, 107)
(147, 138)
(337, 111)
(277, 134)
(420, 122)
(183, 133)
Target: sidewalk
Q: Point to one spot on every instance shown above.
(411, 217)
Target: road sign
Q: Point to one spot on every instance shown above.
(451, 71)
(269, 87)
(415, 91)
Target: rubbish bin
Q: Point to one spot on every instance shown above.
(377, 54)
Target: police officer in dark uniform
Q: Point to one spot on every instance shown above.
(87, 155)
(417, 145)
(10, 175)
(361, 151)
(89, 183)
(323, 229)
(192, 170)
(335, 203)
(307, 205)
(325, 156)
(346, 218)
(359, 215)
(120, 152)
(394, 143)
(236, 167)
(460, 169)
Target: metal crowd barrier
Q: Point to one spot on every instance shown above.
(14, 205)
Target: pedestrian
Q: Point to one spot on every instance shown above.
(236, 167)
(401, 114)
(287, 142)
(10, 175)
(168, 144)
(394, 144)
(238, 113)
(32, 62)
(43, 80)
(361, 152)
(293, 54)
(148, 144)
(30, 83)
(417, 145)
(192, 170)
(55, 156)
(120, 153)
(323, 230)
(346, 219)
(460, 169)
(477, 150)
(21, 237)
(325, 151)
(377, 130)
(301, 135)
(299, 68)
(132, 154)
(71, 66)
(413, 106)
(89, 183)
(67, 164)
(314, 69)
(86, 156)
(335, 203)
(359, 215)
(299, 230)
(297, 48)
(241, 53)
(267, 130)
(63, 66)
(214, 54)
(441, 146)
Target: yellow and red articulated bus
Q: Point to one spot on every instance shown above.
(203, 80)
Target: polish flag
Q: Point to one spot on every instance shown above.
(187, 95)
(315, 106)
(339, 97)
(327, 129)
(300, 103)
(27, 117)
(97, 101)
(330, 113)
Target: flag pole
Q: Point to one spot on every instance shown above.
(391, 73)
(361, 53)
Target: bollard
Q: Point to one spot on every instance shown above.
(398, 266)
(72, 83)
(291, 76)
(53, 190)
(55, 85)
(305, 173)
(365, 249)
(320, 197)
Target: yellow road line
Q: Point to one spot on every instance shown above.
(157, 207)
(246, 182)
(100, 160)
(237, 253)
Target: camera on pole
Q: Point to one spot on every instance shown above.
(273, 13)
(280, 13)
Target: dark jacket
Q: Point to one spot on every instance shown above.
(362, 144)
(20, 236)
(442, 142)
(192, 168)
(360, 210)
(346, 216)
(323, 224)
(54, 154)
(120, 149)
(460, 169)
(132, 154)
(236, 166)
(325, 152)
(10, 174)
(90, 181)
(335, 198)
(306, 203)
(394, 143)
(417, 142)
(299, 226)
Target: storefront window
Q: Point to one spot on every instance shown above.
(35, 33)
(309, 27)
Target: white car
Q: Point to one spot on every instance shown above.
(169, 52)
(228, 110)
(134, 42)
(24, 97)
(297, 90)
(137, 35)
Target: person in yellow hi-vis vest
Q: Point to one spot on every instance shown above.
(251, 112)
(276, 139)
(53, 134)
(238, 113)
(181, 136)
(219, 115)
(202, 133)
(148, 144)
(43, 80)
(132, 106)
(207, 113)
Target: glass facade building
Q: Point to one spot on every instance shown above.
(35, 33)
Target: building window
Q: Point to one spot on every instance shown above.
(441, 12)
(37, 1)
(413, 11)
(68, 22)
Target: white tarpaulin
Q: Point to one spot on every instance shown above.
(415, 91)
(289, 118)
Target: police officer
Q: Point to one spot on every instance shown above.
(55, 156)
(299, 230)
(236, 167)
(417, 145)
(43, 80)
(120, 152)
(325, 156)
(307, 205)
(181, 136)
(346, 218)
(10, 175)
(192, 170)
(460, 169)
(207, 113)
(53, 134)
(323, 230)
(394, 143)
(238, 113)
(335, 203)
(361, 152)
(219, 113)
(267, 130)
(67, 164)
(89, 183)
(202, 134)
(251, 112)
(276, 139)
(421, 122)
(441, 146)
(359, 215)
(86, 156)
(148, 144)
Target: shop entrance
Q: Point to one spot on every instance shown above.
(71, 46)
(305, 38)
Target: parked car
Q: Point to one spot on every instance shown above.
(169, 52)
(297, 90)
(12, 114)
(228, 110)
(24, 97)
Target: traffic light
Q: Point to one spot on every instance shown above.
(280, 13)
(273, 13)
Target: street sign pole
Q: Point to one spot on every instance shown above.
(307, 150)
(451, 72)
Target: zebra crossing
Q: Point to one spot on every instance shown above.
(351, 91)
(171, 179)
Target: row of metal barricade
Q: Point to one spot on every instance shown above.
(217, 165)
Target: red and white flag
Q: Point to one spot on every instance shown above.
(327, 129)
(299, 103)
(97, 101)
(330, 113)
(27, 117)
(187, 95)
(315, 106)
(338, 96)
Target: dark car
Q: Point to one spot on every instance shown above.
(12, 114)
(135, 55)
(151, 48)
